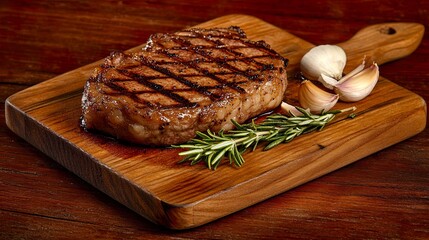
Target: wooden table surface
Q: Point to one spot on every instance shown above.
(385, 195)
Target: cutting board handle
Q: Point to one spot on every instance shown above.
(382, 43)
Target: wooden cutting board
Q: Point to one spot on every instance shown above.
(152, 183)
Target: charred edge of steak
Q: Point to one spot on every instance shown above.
(230, 32)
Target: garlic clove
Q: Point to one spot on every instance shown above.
(329, 60)
(289, 110)
(358, 86)
(317, 100)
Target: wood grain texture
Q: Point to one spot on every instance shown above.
(149, 181)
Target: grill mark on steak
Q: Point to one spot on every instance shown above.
(206, 72)
(205, 52)
(158, 88)
(134, 77)
(219, 45)
(221, 62)
(238, 35)
(248, 60)
(165, 71)
(202, 51)
(119, 90)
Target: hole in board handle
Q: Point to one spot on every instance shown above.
(387, 30)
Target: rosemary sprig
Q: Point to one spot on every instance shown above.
(212, 148)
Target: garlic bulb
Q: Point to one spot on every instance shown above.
(324, 63)
(314, 98)
(358, 84)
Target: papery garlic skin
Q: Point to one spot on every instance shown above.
(289, 110)
(358, 86)
(328, 60)
(317, 100)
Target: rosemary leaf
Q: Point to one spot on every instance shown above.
(191, 152)
(274, 143)
(223, 144)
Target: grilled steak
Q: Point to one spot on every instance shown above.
(180, 83)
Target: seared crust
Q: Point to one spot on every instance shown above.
(189, 81)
